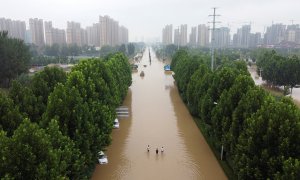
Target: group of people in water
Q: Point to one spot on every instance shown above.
(161, 149)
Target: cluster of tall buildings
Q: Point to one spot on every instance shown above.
(277, 35)
(199, 36)
(15, 29)
(106, 32)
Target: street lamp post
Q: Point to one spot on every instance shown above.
(222, 148)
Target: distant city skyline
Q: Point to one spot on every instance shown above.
(145, 19)
(106, 31)
(276, 35)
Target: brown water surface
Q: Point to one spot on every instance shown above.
(158, 117)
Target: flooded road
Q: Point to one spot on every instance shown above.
(158, 117)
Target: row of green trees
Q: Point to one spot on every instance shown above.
(14, 58)
(279, 70)
(53, 124)
(259, 134)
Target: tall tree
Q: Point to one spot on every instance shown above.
(270, 135)
(14, 58)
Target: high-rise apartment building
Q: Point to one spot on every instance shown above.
(255, 40)
(274, 34)
(37, 31)
(183, 35)
(15, 29)
(123, 35)
(167, 34)
(93, 35)
(111, 33)
(177, 37)
(106, 32)
(291, 33)
(222, 37)
(54, 35)
(74, 33)
(193, 37)
(242, 37)
(203, 35)
(48, 33)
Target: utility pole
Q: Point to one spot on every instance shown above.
(213, 37)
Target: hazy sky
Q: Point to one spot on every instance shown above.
(146, 18)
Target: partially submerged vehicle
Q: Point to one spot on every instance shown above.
(116, 123)
(167, 67)
(102, 158)
(142, 74)
(134, 66)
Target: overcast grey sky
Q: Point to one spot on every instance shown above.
(146, 18)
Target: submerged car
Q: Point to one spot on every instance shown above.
(102, 158)
(142, 74)
(116, 123)
(167, 67)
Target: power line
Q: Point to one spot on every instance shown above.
(213, 37)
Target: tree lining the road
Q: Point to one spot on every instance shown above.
(56, 123)
(279, 70)
(259, 134)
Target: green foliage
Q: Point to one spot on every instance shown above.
(279, 70)
(29, 154)
(106, 50)
(165, 51)
(52, 50)
(260, 134)
(44, 82)
(291, 170)
(184, 69)
(248, 105)
(23, 97)
(197, 87)
(222, 114)
(131, 49)
(10, 117)
(178, 56)
(122, 49)
(271, 135)
(14, 58)
(72, 119)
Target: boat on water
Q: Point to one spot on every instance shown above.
(167, 67)
(142, 74)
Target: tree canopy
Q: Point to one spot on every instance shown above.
(14, 58)
(259, 134)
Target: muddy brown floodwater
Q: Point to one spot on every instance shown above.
(158, 117)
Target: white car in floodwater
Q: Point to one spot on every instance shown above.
(116, 123)
(102, 158)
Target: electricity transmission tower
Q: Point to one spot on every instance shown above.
(213, 37)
